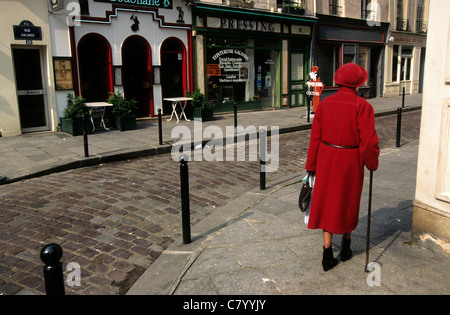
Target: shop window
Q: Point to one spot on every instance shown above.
(349, 53)
(363, 58)
(401, 63)
(407, 52)
(242, 71)
(395, 63)
(328, 63)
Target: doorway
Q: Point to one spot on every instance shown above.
(31, 94)
(137, 69)
(173, 71)
(95, 68)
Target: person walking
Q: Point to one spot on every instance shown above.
(343, 141)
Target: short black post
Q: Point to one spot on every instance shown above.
(309, 110)
(51, 255)
(160, 127)
(399, 126)
(185, 210)
(85, 136)
(235, 116)
(262, 158)
(403, 98)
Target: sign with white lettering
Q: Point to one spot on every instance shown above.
(243, 25)
(163, 4)
(230, 65)
(27, 31)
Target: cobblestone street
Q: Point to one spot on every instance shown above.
(115, 219)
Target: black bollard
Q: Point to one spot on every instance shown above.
(53, 274)
(160, 127)
(85, 136)
(262, 158)
(399, 126)
(309, 111)
(235, 116)
(185, 209)
(403, 98)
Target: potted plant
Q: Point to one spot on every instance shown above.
(202, 108)
(294, 8)
(123, 110)
(248, 4)
(72, 122)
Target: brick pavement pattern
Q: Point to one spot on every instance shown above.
(115, 219)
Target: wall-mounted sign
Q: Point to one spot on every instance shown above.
(164, 4)
(27, 31)
(243, 25)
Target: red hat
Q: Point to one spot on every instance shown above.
(350, 75)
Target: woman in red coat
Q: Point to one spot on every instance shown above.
(343, 141)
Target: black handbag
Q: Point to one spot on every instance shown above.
(305, 196)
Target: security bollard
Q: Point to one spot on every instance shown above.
(185, 210)
(262, 158)
(160, 127)
(399, 126)
(403, 98)
(53, 274)
(85, 136)
(235, 116)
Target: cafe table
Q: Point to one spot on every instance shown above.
(182, 102)
(100, 107)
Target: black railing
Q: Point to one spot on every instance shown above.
(421, 26)
(402, 24)
(335, 9)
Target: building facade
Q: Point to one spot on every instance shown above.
(27, 91)
(431, 207)
(139, 48)
(351, 31)
(253, 53)
(406, 47)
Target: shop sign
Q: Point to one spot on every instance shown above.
(27, 31)
(165, 4)
(231, 66)
(243, 25)
(408, 39)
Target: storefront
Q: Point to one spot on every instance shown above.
(258, 59)
(343, 40)
(139, 49)
(405, 61)
(27, 98)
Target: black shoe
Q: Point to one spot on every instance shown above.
(346, 252)
(328, 260)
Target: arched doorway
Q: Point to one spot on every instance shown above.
(94, 54)
(136, 73)
(173, 71)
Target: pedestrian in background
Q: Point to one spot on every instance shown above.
(343, 141)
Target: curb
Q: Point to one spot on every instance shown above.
(165, 273)
(97, 160)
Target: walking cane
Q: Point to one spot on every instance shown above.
(368, 221)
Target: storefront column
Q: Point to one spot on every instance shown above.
(200, 56)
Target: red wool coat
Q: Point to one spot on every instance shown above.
(343, 119)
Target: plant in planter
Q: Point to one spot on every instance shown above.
(72, 122)
(202, 108)
(123, 110)
(294, 8)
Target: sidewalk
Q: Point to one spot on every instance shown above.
(259, 244)
(32, 155)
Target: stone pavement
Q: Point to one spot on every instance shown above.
(37, 154)
(259, 244)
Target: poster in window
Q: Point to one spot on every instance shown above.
(63, 73)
